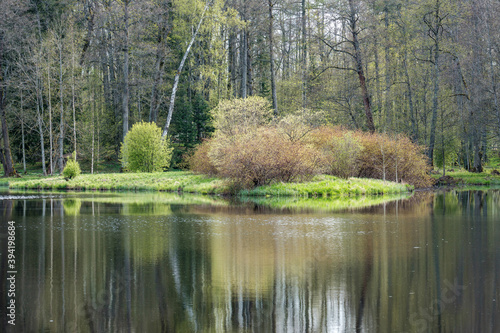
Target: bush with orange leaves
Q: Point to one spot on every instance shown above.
(393, 158)
(262, 156)
(199, 161)
(354, 153)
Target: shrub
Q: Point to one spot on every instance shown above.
(379, 156)
(395, 159)
(261, 157)
(199, 161)
(144, 150)
(342, 160)
(72, 168)
(238, 116)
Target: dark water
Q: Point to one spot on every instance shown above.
(162, 263)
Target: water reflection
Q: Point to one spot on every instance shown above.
(160, 264)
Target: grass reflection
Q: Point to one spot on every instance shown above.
(325, 204)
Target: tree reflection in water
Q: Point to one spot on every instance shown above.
(427, 263)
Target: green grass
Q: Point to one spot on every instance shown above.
(464, 177)
(160, 181)
(329, 186)
(183, 181)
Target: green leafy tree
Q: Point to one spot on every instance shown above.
(144, 150)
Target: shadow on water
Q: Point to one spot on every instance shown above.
(162, 263)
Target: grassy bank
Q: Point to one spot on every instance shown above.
(462, 177)
(325, 186)
(182, 181)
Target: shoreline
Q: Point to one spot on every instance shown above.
(188, 182)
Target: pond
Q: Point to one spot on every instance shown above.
(131, 262)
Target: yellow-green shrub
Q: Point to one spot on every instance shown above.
(144, 150)
(72, 168)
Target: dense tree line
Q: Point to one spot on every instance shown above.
(76, 75)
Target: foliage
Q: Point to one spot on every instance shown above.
(199, 161)
(464, 177)
(347, 153)
(72, 168)
(262, 156)
(144, 150)
(397, 159)
(190, 124)
(237, 116)
(343, 159)
(297, 125)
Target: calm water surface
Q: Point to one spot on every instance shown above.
(166, 263)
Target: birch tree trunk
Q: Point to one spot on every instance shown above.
(179, 70)
(51, 139)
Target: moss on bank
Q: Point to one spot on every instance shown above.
(182, 181)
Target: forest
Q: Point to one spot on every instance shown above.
(76, 75)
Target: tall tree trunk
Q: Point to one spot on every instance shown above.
(8, 166)
(39, 118)
(179, 70)
(359, 66)
(244, 63)
(163, 30)
(304, 53)
(377, 83)
(232, 64)
(435, 103)
(387, 95)
(435, 29)
(271, 59)
(494, 87)
(73, 93)
(22, 133)
(61, 107)
(477, 121)
(51, 138)
(126, 92)
(89, 16)
(414, 133)
(93, 130)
